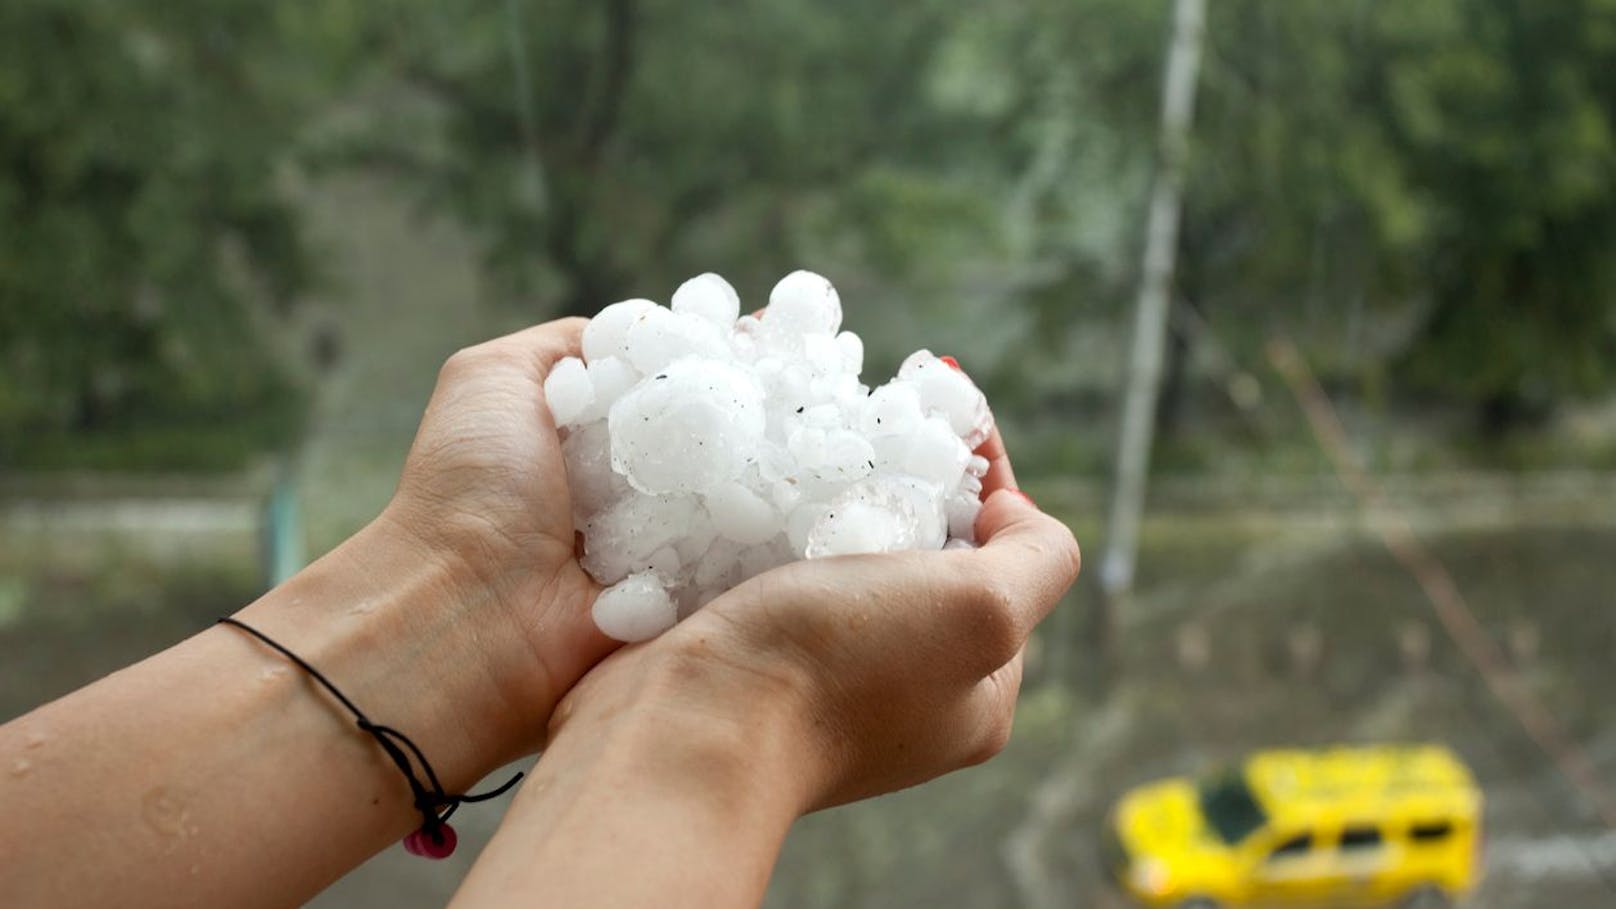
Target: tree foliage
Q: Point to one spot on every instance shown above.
(1443, 166)
(140, 220)
(1503, 116)
(603, 146)
(1444, 163)
(1453, 160)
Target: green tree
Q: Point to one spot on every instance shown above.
(143, 234)
(1446, 164)
(1501, 112)
(601, 148)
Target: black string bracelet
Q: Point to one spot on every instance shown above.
(435, 838)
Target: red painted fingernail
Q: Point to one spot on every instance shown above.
(951, 362)
(438, 844)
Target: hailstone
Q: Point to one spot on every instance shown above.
(704, 447)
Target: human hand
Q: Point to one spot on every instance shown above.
(867, 673)
(455, 619)
(467, 611)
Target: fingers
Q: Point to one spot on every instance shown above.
(993, 703)
(1025, 565)
(538, 347)
(973, 609)
(546, 344)
(1035, 552)
(999, 475)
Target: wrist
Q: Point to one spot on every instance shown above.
(396, 631)
(695, 801)
(679, 715)
(527, 629)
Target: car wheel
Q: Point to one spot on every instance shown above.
(1429, 896)
(1199, 902)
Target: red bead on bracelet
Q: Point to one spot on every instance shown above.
(436, 845)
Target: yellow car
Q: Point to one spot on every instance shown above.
(1334, 827)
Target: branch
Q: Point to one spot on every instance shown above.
(600, 115)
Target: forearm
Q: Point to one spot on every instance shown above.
(181, 779)
(643, 802)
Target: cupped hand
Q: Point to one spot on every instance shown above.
(880, 671)
(484, 493)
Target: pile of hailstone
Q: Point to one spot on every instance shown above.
(704, 447)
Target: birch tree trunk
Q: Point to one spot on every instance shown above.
(1150, 322)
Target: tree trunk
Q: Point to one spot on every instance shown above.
(1150, 323)
(1175, 381)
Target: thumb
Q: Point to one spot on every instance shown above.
(1032, 554)
(542, 346)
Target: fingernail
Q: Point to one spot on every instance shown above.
(951, 362)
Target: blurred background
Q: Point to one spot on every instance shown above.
(1303, 314)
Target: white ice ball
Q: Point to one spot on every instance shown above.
(621, 538)
(804, 303)
(930, 510)
(935, 454)
(871, 517)
(708, 296)
(947, 391)
(606, 335)
(891, 410)
(636, 608)
(825, 357)
(848, 456)
(740, 514)
(611, 378)
(658, 337)
(852, 347)
(590, 478)
(703, 447)
(568, 391)
(962, 508)
(687, 428)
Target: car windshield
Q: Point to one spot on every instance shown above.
(1229, 806)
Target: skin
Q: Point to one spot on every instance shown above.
(215, 773)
